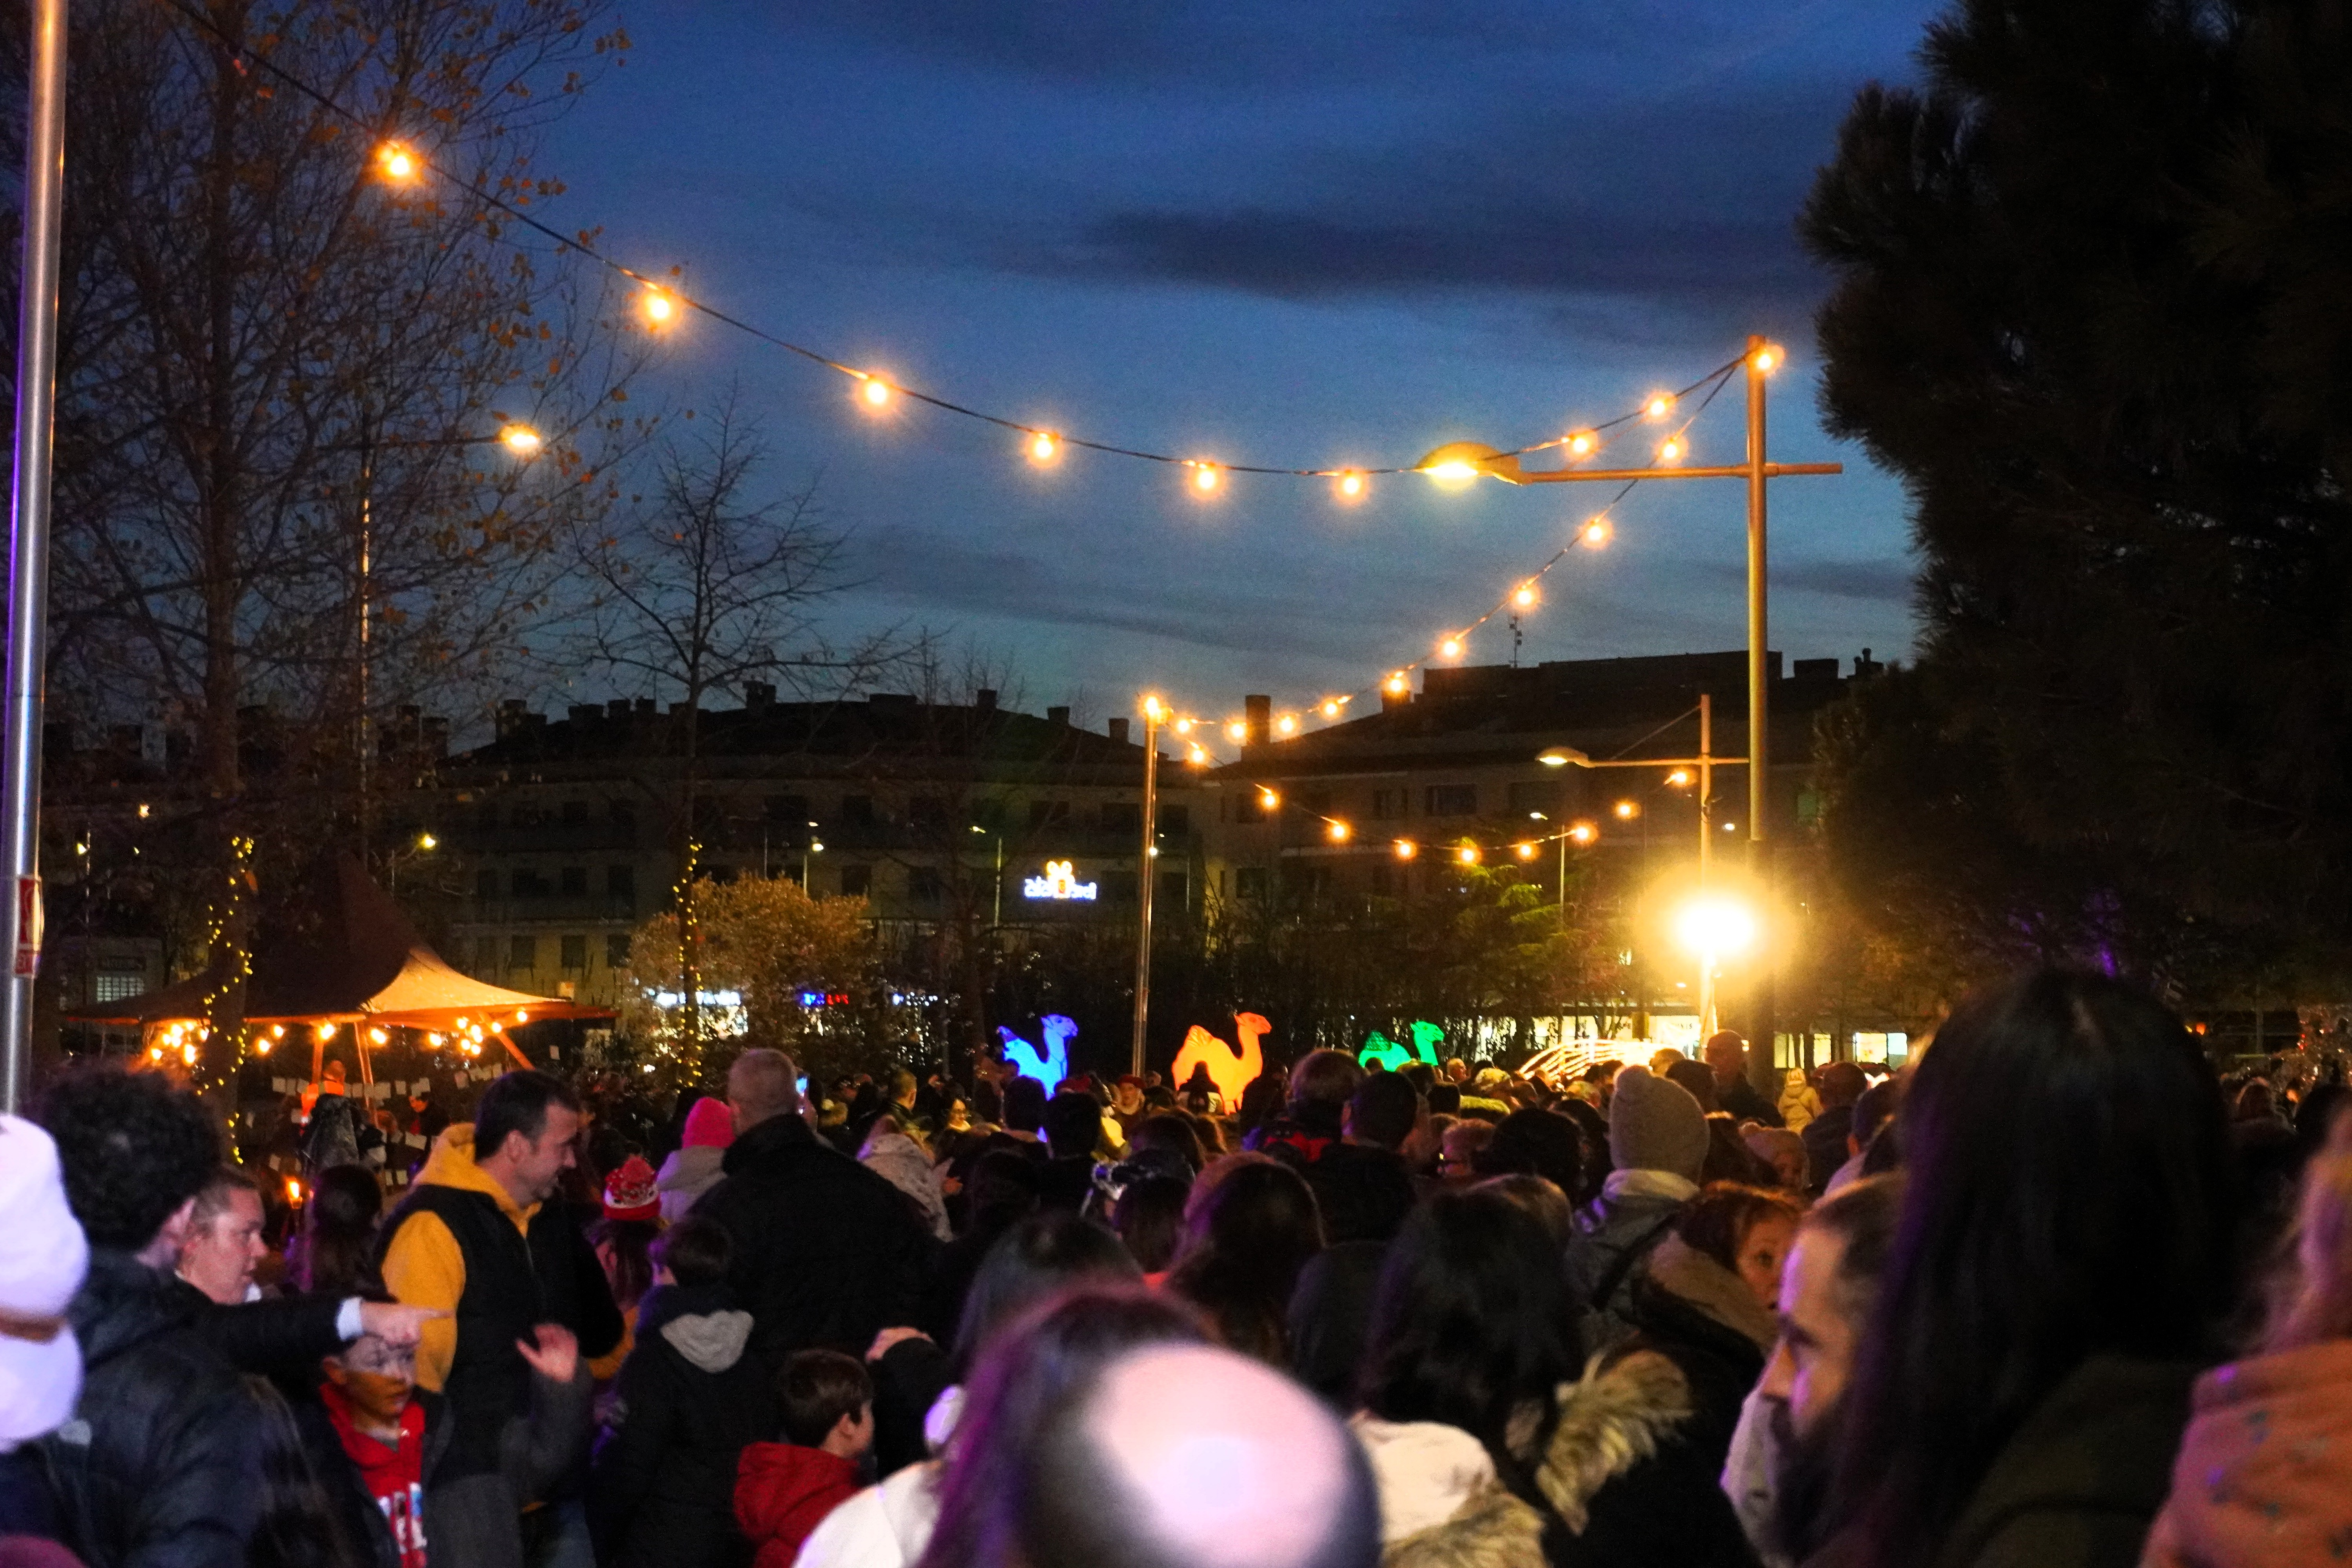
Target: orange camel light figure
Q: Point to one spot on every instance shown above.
(1231, 1071)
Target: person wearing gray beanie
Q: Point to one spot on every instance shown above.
(1657, 1141)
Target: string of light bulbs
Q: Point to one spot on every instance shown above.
(1593, 533)
(662, 304)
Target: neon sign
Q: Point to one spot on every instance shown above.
(1060, 881)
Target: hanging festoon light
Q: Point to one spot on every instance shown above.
(1044, 446)
(1350, 484)
(873, 392)
(1671, 449)
(1286, 726)
(1595, 533)
(397, 163)
(1397, 684)
(1524, 597)
(1582, 443)
(1206, 477)
(1659, 406)
(1450, 645)
(659, 305)
(524, 442)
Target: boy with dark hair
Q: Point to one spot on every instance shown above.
(784, 1491)
(689, 1399)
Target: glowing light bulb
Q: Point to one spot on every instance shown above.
(1527, 851)
(1286, 725)
(1153, 711)
(1268, 800)
(1766, 360)
(1627, 810)
(1198, 755)
(520, 439)
(1660, 404)
(1183, 726)
(1331, 708)
(874, 392)
(1337, 832)
(1406, 849)
(1670, 450)
(1350, 485)
(1468, 855)
(1044, 448)
(1453, 473)
(1584, 832)
(1451, 648)
(1397, 685)
(659, 307)
(1580, 443)
(397, 162)
(1525, 597)
(1595, 533)
(1206, 476)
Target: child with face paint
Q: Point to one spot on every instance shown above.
(384, 1426)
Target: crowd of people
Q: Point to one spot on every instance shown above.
(2053, 1294)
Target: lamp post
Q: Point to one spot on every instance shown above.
(28, 542)
(1152, 713)
(1467, 458)
(996, 901)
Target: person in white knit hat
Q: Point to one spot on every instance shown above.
(43, 1257)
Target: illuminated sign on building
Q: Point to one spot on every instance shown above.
(1060, 881)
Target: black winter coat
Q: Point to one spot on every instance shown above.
(157, 1469)
(662, 1485)
(827, 1254)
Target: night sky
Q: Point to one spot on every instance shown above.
(1258, 231)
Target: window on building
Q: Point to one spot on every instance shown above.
(1249, 881)
(1452, 800)
(616, 950)
(1535, 794)
(927, 811)
(575, 814)
(1249, 806)
(1119, 887)
(1317, 800)
(528, 885)
(522, 953)
(621, 812)
(857, 810)
(575, 882)
(575, 953)
(989, 811)
(486, 955)
(620, 881)
(1384, 883)
(856, 881)
(1172, 892)
(106, 987)
(1175, 819)
(1389, 805)
(1122, 817)
(791, 810)
(925, 885)
(1048, 813)
(485, 885)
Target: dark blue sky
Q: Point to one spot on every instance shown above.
(1265, 231)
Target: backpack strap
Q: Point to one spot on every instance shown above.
(1636, 1250)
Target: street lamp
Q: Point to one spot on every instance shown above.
(1464, 461)
(1712, 928)
(996, 902)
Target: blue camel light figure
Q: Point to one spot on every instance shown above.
(1048, 1067)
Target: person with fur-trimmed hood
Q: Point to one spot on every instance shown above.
(1493, 1446)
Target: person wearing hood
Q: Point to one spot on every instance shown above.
(690, 1396)
(784, 1490)
(697, 1164)
(153, 1465)
(1658, 1143)
(1706, 1296)
(892, 1153)
(43, 1257)
(477, 1239)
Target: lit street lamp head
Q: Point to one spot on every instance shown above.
(520, 439)
(1715, 925)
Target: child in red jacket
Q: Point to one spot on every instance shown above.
(784, 1491)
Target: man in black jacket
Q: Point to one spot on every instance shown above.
(826, 1252)
(157, 1469)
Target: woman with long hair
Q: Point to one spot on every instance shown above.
(334, 1253)
(1242, 1249)
(1486, 1435)
(2264, 1469)
(2059, 1270)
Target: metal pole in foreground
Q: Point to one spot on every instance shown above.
(1760, 718)
(28, 543)
(1144, 879)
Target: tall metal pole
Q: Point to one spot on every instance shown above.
(1760, 714)
(1705, 854)
(28, 542)
(1144, 879)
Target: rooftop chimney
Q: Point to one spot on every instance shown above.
(1057, 715)
(1257, 719)
(1118, 731)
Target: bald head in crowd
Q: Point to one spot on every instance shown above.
(1191, 1457)
(762, 1085)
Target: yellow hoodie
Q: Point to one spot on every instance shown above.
(424, 1266)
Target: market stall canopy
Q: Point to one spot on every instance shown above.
(349, 956)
